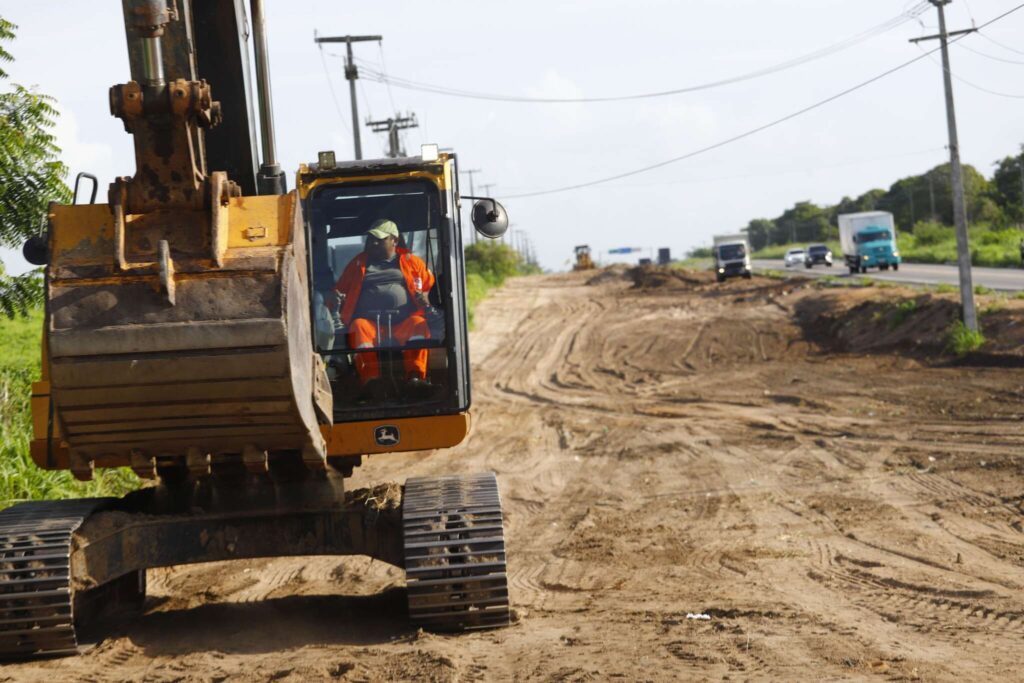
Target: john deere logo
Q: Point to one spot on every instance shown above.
(386, 435)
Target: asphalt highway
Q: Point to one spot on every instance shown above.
(1003, 279)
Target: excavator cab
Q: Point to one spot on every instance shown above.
(398, 371)
(405, 356)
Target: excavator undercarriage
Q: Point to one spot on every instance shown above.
(65, 566)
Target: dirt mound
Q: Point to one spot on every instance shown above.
(881, 321)
(849, 322)
(609, 274)
(657, 277)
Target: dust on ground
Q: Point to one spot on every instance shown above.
(766, 479)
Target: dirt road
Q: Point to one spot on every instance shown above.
(827, 505)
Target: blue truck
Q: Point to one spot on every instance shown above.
(868, 240)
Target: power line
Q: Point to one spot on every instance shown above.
(879, 29)
(384, 70)
(786, 171)
(975, 85)
(996, 42)
(334, 95)
(753, 131)
(992, 57)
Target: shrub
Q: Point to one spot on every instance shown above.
(962, 340)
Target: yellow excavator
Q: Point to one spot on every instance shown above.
(194, 332)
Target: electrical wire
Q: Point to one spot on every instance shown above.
(884, 27)
(971, 84)
(384, 70)
(754, 131)
(334, 95)
(996, 42)
(789, 171)
(992, 57)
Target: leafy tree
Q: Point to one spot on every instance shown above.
(759, 232)
(1008, 186)
(493, 261)
(31, 176)
(805, 222)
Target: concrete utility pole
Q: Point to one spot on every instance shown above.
(472, 191)
(970, 315)
(391, 126)
(351, 74)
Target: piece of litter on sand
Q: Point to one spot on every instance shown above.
(691, 615)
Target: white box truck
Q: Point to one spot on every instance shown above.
(732, 256)
(868, 240)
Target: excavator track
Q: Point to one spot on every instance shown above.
(36, 598)
(455, 553)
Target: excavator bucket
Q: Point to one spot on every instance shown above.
(175, 336)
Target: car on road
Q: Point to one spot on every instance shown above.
(817, 253)
(794, 257)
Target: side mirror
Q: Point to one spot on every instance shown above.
(490, 218)
(35, 250)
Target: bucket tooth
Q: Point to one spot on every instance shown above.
(255, 460)
(143, 465)
(198, 462)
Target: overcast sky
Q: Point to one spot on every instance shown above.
(75, 50)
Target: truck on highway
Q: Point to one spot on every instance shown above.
(868, 240)
(732, 256)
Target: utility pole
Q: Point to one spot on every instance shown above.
(351, 74)
(472, 191)
(970, 315)
(391, 126)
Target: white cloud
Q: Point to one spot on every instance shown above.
(86, 155)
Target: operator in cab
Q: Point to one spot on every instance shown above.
(384, 296)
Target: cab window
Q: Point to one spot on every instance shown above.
(378, 312)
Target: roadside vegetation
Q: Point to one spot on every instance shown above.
(20, 479)
(962, 340)
(932, 242)
(488, 265)
(923, 209)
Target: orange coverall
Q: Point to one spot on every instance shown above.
(363, 332)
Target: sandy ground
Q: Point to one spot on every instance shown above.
(836, 506)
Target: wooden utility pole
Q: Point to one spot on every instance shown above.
(351, 74)
(391, 126)
(963, 247)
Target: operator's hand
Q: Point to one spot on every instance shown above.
(423, 298)
(339, 300)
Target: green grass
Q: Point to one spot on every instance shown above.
(961, 340)
(982, 290)
(945, 288)
(903, 310)
(20, 479)
(694, 263)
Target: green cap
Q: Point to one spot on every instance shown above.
(383, 228)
